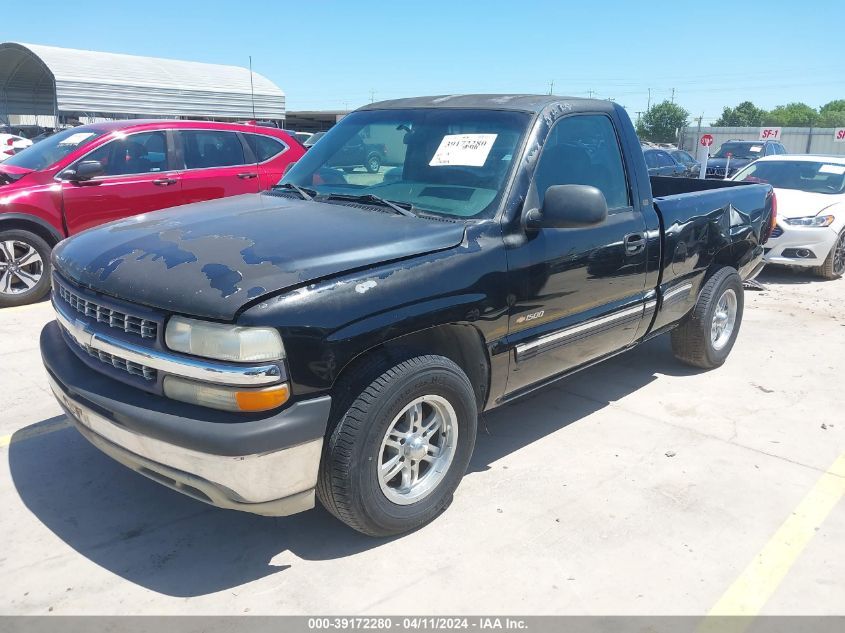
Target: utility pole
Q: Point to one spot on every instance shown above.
(591, 93)
(673, 95)
(552, 87)
(372, 95)
(648, 107)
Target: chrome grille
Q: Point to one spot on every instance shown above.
(777, 231)
(113, 318)
(130, 367)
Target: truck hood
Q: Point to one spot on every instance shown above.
(209, 259)
(797, 204)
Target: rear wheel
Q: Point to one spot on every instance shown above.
(834, 264)
(400, 447)
(24, 268)
(708, 334)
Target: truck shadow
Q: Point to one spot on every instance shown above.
(173, 545)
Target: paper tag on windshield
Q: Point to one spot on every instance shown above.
(832, 169)
(756, 148)
(468, 150)
(76, 139)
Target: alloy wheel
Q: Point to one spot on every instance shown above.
(724, 319)
(417, 449)
(21, 267)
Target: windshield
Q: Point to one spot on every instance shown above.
(53, 148)
(445, 161)
(740, 150)
(803, 175)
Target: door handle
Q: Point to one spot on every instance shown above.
(634, 243)
(247, 175)
(164, 182)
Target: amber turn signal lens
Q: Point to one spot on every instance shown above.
(262, 400)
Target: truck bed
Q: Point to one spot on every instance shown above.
(665, 186)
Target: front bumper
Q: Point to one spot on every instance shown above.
(261, 465)
(818, 241)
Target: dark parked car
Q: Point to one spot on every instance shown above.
(661, 163)
(336, 338)
(686, 159)
(358, 153)
(741, 153)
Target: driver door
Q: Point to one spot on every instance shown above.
(578, 293)
(136, 179)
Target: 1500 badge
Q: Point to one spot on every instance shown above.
(525, 318)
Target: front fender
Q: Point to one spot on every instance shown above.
(327, 324)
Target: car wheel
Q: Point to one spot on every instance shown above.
(707, 335)
(373, 163)
(834, 264)
(24, 268)
(399, 449)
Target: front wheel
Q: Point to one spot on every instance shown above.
(834, 265)
(24, 268)
(400, 448)
(373, 163)
(709, 332)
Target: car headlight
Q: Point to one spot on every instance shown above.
(811, 220)
(223, 342)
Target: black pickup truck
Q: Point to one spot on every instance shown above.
(338, 337)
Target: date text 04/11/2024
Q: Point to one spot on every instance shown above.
(417, 623)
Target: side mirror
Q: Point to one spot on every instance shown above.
(86, 170)
(568, 206)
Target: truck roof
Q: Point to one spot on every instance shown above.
(519, 102)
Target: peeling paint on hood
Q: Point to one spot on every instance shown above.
(210, 258)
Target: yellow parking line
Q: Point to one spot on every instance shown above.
(752, 589)
(33, 431)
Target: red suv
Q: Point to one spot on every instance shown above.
(96, 173)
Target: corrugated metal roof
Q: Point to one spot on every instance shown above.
(91, 81)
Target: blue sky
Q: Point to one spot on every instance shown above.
(335, 55)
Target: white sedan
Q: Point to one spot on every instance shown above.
(10, 144)
(810, 192)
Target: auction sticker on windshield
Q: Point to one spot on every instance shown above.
(467, 150)
(832, 169)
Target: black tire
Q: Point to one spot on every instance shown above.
(370, 398)
(834, 264)
(16, 294)
(373, 163)
(691, 341)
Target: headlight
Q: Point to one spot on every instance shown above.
(223, 342)
(225, 398)
(811, 220)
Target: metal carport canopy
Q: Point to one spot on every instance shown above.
(112, 83)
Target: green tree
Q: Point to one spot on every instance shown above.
(661, 123)
(746, 114)
(792, 115)
(832, 114)
(837, 105)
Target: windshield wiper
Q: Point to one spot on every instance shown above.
(307, 194)
(402, 208)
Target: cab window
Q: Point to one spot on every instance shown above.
(584, 150)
